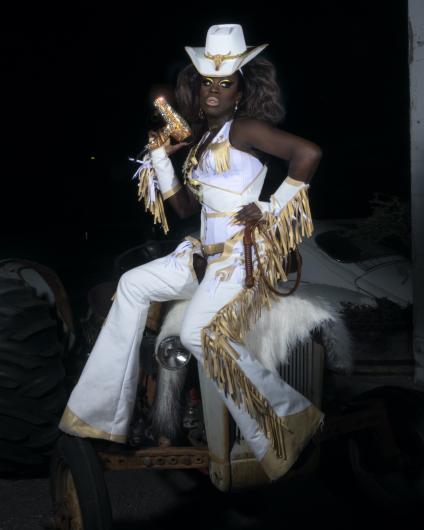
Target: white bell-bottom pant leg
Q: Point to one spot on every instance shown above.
(284, 399)
(102, 402)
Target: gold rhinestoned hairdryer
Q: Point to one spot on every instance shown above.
(176, 127)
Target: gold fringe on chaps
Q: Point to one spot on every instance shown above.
(149, 191)
(280, 234)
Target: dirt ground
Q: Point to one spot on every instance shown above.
(159, 500)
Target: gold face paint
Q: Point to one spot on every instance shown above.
(210, 79)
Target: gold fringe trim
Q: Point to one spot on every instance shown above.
(155, 205)
(219, 150)
(221, 154)
(280, 234)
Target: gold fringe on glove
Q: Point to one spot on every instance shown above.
(147, 185)
(279, 235)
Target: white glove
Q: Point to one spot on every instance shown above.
(165, 174)
(282, 196)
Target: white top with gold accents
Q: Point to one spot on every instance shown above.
(226, 179)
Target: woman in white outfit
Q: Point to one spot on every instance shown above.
(231, 100)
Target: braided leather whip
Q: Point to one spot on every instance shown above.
(249, 241)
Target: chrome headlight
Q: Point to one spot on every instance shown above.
(171, 354)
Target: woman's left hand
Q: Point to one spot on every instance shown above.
(248, 214)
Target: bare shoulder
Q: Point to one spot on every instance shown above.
(249, 126)
(244, 131)
(252, 134)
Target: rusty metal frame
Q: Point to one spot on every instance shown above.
(156, 458)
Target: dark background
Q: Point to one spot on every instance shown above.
(75, 80)
(75, 83)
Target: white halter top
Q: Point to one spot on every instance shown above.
(224, 179)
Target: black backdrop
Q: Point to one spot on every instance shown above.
(75, 86)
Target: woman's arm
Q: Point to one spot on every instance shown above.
(303, 156)
(184, 203)
(177, 195)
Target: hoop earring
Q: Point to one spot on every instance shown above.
(201, 114)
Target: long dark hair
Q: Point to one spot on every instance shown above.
(261, 94)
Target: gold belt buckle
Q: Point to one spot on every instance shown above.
(210, 250)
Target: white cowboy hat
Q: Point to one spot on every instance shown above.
(225, 51)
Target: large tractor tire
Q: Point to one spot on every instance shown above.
(32, 391)
(78, 488)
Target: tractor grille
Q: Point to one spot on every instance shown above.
(304, 371)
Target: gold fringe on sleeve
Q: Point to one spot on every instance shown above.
(280, 234)
(149, 191)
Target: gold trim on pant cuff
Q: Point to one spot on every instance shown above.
(302, 427)
(72, 424)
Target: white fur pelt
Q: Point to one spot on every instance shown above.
(291, 320)
(313, 307)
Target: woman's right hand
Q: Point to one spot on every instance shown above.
(170, 149)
